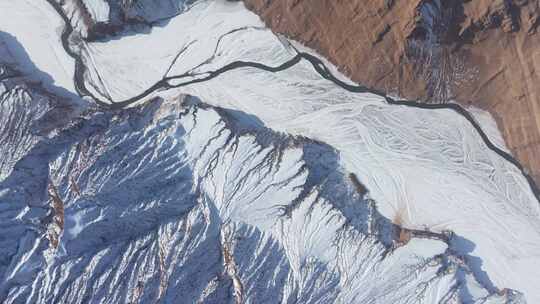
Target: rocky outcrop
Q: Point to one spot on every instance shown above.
(100, 19)
(229, 200)
(227, 213)
(479, 52)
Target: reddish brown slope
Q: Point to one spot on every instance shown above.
(483, 52)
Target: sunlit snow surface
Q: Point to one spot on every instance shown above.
(98, 9)
(33, 26)
(177, 200)
(155, 199)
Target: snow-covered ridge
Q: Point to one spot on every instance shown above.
(431, 163)
(177, 194)
(430, 167)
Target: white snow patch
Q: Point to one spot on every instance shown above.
(99, 9)
(431, 163)
(33, 39)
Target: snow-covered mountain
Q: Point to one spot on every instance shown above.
(203, 159)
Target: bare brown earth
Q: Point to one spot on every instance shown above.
(480, 52)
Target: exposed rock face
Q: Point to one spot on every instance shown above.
(103, 18)
(225, 214)
(478, 52)
(260, 183)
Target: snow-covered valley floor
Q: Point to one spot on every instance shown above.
(242, 192)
